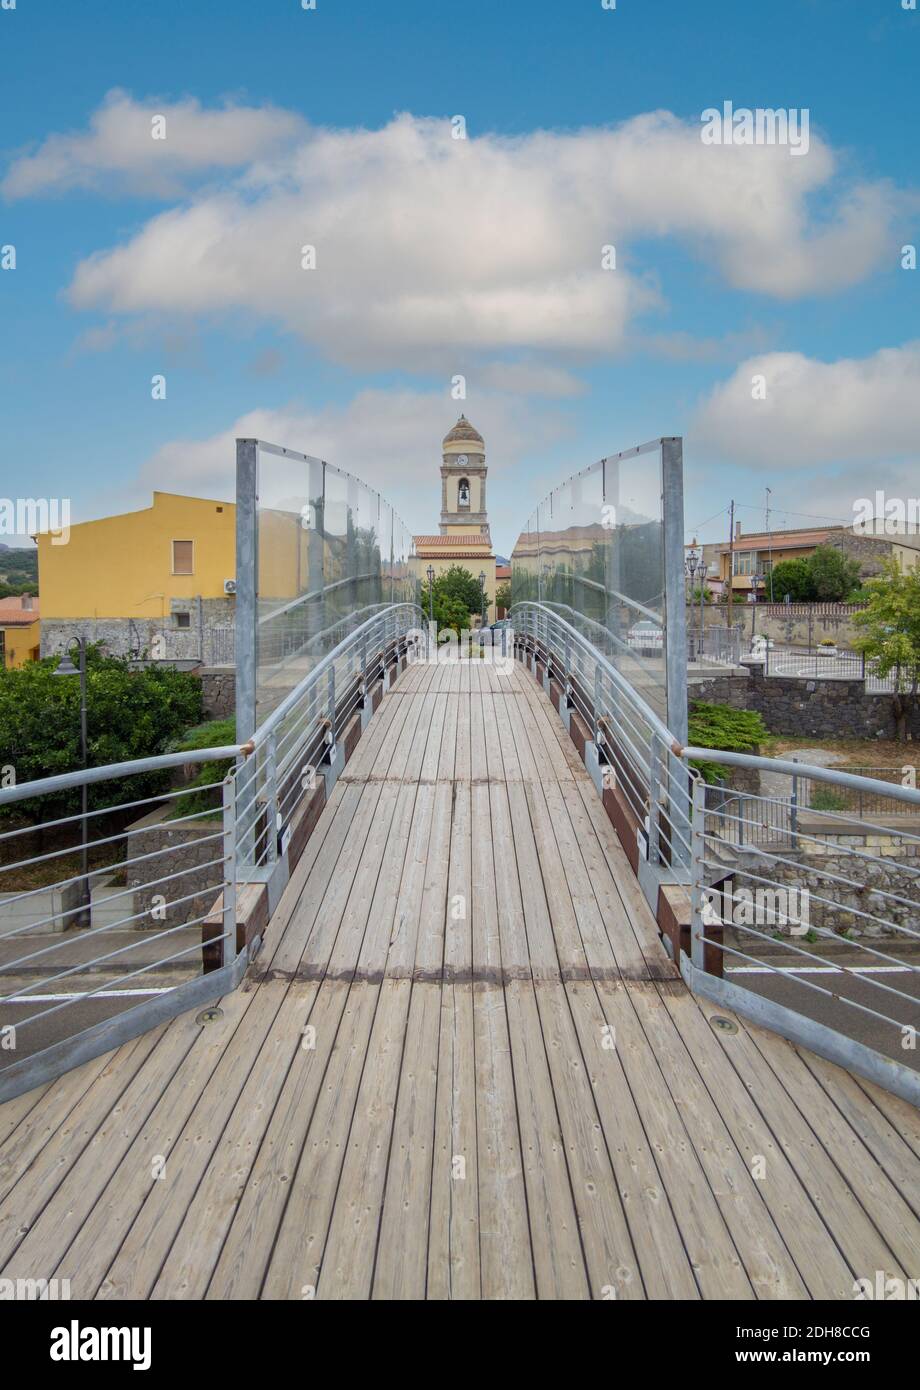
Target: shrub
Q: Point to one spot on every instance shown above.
(214, 734)
(721, 726)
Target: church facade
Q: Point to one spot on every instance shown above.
(463, 538)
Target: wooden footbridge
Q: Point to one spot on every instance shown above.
(461, 1066)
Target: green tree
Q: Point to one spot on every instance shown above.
(792, 577)
(462, 586)
(456, 597)
(503, 595)
(891, 634)
(833, 575)
(130, 714)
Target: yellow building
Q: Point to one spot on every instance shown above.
(464, 537)
(156, 581)
(19, 631)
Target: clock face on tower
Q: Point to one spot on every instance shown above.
(462, 460)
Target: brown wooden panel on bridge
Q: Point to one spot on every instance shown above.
(462, 1067)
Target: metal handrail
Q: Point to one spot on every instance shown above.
(609, 670)
(836, 776)
(291, 700)
(64, 781)
(318, 707)
(654, 780)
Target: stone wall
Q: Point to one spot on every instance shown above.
(823, 708)
(732, 689)
(209, 620)
(186, 850)
(218, 690)
(828, 855)
(816, 708)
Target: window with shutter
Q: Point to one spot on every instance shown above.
(183, 558)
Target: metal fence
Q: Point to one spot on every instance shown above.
(833, 663)
(718, 646)
(816, 911)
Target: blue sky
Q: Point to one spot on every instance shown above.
(330, 127)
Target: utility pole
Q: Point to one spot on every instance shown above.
(770, 542)
(731, 559)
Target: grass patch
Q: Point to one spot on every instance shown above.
(824, 799)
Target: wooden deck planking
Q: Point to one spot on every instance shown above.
(462, 1067)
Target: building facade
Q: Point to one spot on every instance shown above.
(20, 629)
(463, 538)
(746, 563)
(156, 583)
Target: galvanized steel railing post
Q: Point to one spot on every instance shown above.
(654, 797)
(330, 705)
(597, 709)
(228, 922)
(271, 796)
(697, 886)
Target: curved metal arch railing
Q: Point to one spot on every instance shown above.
(858, 878)
(138, 873)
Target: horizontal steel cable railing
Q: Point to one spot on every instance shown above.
(135, 902)
(805, 917)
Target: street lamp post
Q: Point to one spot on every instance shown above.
(65, 667)
(755, 580)
(429, 574)
(701, 573)
(691, 561)
(482, 598)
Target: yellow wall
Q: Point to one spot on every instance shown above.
(121, 566)
(21, 644)
(475, 566)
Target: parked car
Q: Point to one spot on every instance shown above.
(646, 638)
(503, 625)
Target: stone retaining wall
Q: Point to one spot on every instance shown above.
(885, 871)
(816, 708)
(185, 848)
(218, 690)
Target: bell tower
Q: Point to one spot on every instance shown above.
(463, 482)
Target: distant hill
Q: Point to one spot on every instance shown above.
(18, 571)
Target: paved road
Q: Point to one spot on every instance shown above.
(58, 1023)
(795, 993)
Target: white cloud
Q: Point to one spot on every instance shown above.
(529, 379)
(118, 151)
(391, 440)
(852, 411)
(432, 250)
